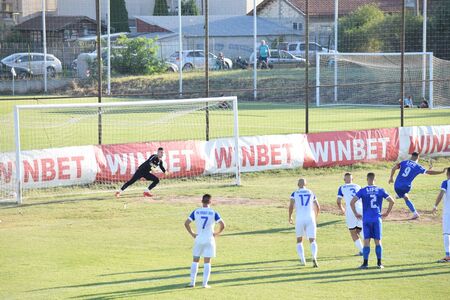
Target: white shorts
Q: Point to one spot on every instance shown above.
(446, 224)
(204, 248)
(306, 228)
(352, 220)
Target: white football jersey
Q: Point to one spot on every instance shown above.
(304, 199)
(347, 192)
(205, 218)
(445, 186)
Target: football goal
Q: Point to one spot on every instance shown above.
(374, 79)
(60, 149)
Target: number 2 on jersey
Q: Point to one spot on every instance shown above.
(373, 201)
(204, 222)
(305, 203)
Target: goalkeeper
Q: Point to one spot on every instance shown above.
(145, 170)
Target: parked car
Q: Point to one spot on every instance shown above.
(34, 62)
(171, 67)
(282, 59)
(298, 49)
(195, 59)
(21, 73)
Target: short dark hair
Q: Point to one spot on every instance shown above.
(348, 174)
(448, 170)
(160, 149)
(415, 154)
(370, 175)
(206, 198)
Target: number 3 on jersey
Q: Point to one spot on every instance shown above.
(373, 201)
(204, 222)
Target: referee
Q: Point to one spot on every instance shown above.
(144, 170)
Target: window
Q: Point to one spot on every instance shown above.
(295, 26)
(191, 54)
(274, 54)
(302, 47)
(50, 58)
(25, 58)
(300, 26)
(38, 57)
(292, 47)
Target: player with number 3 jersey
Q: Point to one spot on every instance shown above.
(408, 171)
(307, 208)
(346, 193)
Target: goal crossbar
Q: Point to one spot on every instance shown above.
(147, 103)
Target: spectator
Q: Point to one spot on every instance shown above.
(264, 53)
(408, 102)
(423, 104)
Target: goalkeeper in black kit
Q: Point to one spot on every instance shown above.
(145, 170)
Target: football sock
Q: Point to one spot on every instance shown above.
(314, 249)
(366, 252)
(359, 245)
(206, 273)
(379, 251)
(194, 270)
(301, 252)
(447, 244)
(410, 206)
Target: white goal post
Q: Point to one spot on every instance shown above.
(341, 76)
(181, 121)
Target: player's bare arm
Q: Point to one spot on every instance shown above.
(391, 204)
(316, 208)
(393, 170)
(352, 205)
(221, 228)
(433, 172)
(340, 206)
(291, 210)
(187, 225)
(438, 200)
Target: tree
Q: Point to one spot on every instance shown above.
(439, 30)
(189, 8)
(389, 32)
(161, 8)
(137, 56)
(119, 16)
(356, 31)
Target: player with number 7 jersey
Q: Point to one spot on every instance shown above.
(205, 219)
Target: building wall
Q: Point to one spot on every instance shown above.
(30, 7)
(282, 13)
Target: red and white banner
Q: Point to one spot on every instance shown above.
(257, 153)
(51, 167)
(349, 147)
(113, 163)
(433, 141)
(119, 162)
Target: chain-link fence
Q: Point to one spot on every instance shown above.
(358, 75)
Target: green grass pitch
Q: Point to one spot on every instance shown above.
(92, 246)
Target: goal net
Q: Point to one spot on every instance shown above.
(93, 148)
(374, 79)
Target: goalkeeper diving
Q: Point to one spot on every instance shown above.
(145, 170)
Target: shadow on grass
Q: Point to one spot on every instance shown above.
(277, 274)
(277, 230)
